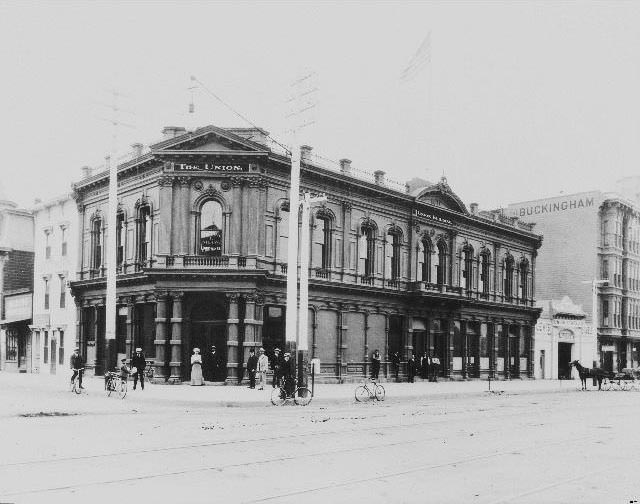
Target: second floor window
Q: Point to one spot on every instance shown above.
(63, 292)
(483, 286)
(524, 279)
(46, 293)
(442, 263)
(144, 233)
(96, 244)
(467, 272)
(605, 313)
(210, 232)
(393, 255)
(424, 259)
(120, 238)
(368, 252)
(508, 277)
(63, 246)
(47, 247)
(321, 252)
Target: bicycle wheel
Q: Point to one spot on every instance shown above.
(379, 393)
(362, 394)
(76, 387)
(302, 396)
(122, 389)
(278, 396)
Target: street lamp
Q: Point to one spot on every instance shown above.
(594, 315)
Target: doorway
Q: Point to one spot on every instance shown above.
(564, 361)
(208, 328)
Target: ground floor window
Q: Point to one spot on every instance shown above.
(12, 345)
(61, 348)
(46, 347)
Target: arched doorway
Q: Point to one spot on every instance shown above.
(208, 327)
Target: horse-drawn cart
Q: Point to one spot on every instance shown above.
(627, 379)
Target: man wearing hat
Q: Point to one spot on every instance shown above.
(213, 365)
(77, 364)
(276, 365)
(252, 365)
(138, 363)
(288, 373)
(263, 367)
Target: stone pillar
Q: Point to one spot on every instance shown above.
(386, 342)
(342, 341)
(130, 326)
(232, 338)
(494, 350)
(407, 333)
(165, 221)
(235, 234)
(176, 338)
(252, 328)
(161, 336)
(254, 218)
(366, 344)
(79, 329)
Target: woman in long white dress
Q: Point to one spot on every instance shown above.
(196, 368)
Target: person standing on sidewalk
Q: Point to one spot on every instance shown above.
(395, 361)
(196, 368)
(435, 364)
(276, 365)
(138, 363)
(411, 367)
(424, 366)
(263, 367)
(252, 364)
(375, 364)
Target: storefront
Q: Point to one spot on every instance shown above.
(15, 335)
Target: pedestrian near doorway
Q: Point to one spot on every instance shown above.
(213, 365)
(375, 364)
(138, 363)
(276, 365)
(263, 367)
(411, 368)
(395, 361)
(252, 364)
(124, 370)
(424, 366)
(288, 372)
(435, 365)
(196, 368)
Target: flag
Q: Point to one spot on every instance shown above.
(420, 59)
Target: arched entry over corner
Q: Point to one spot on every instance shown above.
(208, 327)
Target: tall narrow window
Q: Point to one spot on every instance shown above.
(96, 247)
(442, 263)
(467, 272)
(368, 234)
(63, 238)
(63, 292)
(321, 252)
(210, 237)
(120, 238)
(508, 277)
(46, 293)
(425, 257)
(524, 279)
(47, 248)
(144, 234)
(61, 347)
(283, 234)
(484, 273)
(392, 265)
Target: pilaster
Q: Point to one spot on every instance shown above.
(233, 375)
(161, 335)
(176, 338)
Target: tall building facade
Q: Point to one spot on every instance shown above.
(593, 236)
(16, 286)
(202, 235)
(53, 331)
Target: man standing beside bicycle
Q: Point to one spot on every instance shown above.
(287, 372)
(77, 364)
(138, 363)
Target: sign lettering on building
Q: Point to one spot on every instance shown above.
(432, 217)
(566, 335)
(18, 307)
(556, 206)
(213, 167)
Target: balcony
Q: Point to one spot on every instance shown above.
(203, 262)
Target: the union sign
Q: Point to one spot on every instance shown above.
(212, 167)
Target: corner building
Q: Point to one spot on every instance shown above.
(202, 259)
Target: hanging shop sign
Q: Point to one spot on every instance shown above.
(212, 167)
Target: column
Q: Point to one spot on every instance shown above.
(165, 224)
(176, 338)
(253, 220)
(130, 326)
(493, 349)
(161, 335)
(407, 333)
(507, 351)
(386, 342)
(366, 344)
(342, 340)
(232, 337)
(80, 337)
(465, 349)
(252, 328)
(236, 216)
(448, 364)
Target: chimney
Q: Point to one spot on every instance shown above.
(137, 149)
(345, 166)
(379, 177)
(474, 208)
(86, 171)
(407, 188)
(172, 131)
(305, 153)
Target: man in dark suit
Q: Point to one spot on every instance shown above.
(139, 363)
(77, 364)
(276, 365)
(252, 364)
(395, 361)
(288, 373)
(411, 367)
(213, 365)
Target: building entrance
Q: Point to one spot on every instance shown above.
(564, 361)
(209, 328)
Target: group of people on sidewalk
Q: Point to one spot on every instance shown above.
(427, 367)
(211, 367)
(135, 368)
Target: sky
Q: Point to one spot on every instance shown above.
(510, 101)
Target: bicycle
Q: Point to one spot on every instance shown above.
(369, 390)
(75, 382)
(301, 395)
(114, 383)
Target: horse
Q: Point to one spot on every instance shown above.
(585, 373)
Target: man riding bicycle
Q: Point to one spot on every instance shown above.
(77, 364)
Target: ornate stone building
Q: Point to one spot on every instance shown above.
(202, 257)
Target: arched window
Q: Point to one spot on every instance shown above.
(392, 261)
(368, 249)
(508, 277)
(321, 252)
(441, 269)
(467, 270)
(524, 279)
(96, 245)
(144, 234)
(484, 280)
(424, 259)
(283, 233)
(120, 239)
(210, 232)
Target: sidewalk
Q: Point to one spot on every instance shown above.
(32, 393)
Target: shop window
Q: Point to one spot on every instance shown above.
(144, 234)
(12, 345)
(210, 229)
(441, 269)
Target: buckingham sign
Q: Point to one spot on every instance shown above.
(431, 217)
(213, 167)
(555, 206)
